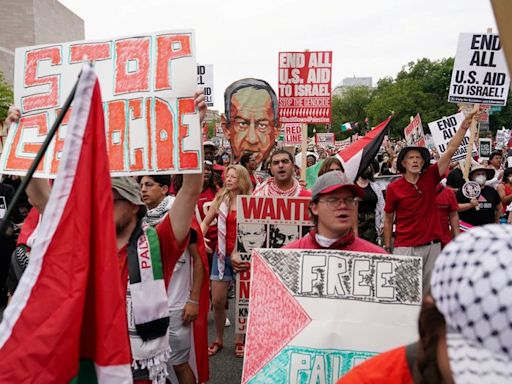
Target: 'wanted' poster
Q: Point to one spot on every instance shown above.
(265, 222)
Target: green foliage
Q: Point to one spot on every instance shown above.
(6, 97)
(421, 87)
(211, 128)
(502, 118)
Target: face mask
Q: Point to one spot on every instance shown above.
(481, 179)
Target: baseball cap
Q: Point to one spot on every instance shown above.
(472, 287)
(209, 144)
(128, 188)
(331, 181)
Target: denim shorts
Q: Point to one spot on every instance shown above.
(228, 270)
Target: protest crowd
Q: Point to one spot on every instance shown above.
(398, 199)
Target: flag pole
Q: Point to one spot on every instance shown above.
(39, 157)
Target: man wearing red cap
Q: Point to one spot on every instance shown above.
(411, 203)
(333, 209)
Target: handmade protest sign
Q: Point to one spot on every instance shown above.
(265, 222)
(480, 73)
(305, 87)
(327, 311)
(147, 84)
(442, 131)
(325, 139)
(205, 82)
(413, 133)
(292, 133)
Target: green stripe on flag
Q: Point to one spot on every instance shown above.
(86, 373)
(154, 251)
(312, 174)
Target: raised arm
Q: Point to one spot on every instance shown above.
(184, 205)
(454, 143)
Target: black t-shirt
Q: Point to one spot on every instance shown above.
(369, 202)
(488, 201)
(455, 178)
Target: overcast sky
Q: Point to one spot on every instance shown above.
(242, 38)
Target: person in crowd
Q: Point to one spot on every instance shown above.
(282, 182)
(410, 203)
(504, 189)
(248, 160)
(496, 161)
(332, 163)
(224, 209)
(173, 234)
(224, 159)
(188, 290)
(250, 122)
(333, 210)
(449, 218)
(371, 207)
(210, 151)
(485, 208)
(391, 168)
(310, 160)
(464, 334)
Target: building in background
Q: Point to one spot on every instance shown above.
(32, 22)
(350, 82)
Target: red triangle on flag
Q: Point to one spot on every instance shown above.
(276, 317)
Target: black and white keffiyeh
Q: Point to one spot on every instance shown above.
(472, 288)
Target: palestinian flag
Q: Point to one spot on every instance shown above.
(348, 127)
(67, 320)
(360, 154)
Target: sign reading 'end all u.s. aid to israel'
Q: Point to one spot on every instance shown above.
(480, 73)
(315, 314)
(147, 85)
(305, 87)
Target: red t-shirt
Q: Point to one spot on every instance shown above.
(508, 191)
(170, 252)
(387, 367)
(358, 245)
(416, 219)
(446, 203)
(230, 232)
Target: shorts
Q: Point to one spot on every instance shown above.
(228, 269)
(180, 338)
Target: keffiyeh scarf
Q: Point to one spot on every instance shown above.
(269, 188)
(146, 304)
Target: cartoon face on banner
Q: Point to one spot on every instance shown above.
(250, 122)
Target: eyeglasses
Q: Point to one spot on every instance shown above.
(336, 202)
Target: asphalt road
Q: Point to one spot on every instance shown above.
(225, 367)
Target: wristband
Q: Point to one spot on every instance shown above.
(193, 301)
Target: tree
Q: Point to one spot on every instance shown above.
(6, 97)
(420, 87)
(502, 118)
(351, 107)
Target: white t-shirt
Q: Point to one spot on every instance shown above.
(178, 291)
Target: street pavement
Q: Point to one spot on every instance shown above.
(225, 367)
